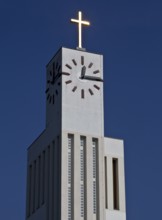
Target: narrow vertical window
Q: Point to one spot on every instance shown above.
(82, 174)
(48, 180)
(94, 150)
(39, 179)
(29, 189)
(69, 151)
(115, 183)
(106, 190)
(43, 178)
(53, 178)
(34, 185)
(94, 197)
(58, 179)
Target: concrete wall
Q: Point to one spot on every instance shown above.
(88, 178)
(114, 148)
(83, 115)
(44, 188)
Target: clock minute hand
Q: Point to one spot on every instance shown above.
(93, 78)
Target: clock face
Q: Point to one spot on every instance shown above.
(53, 82)
(84, 78)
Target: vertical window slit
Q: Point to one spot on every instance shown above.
(69, 167)
(94, 151)
(82, 176)
(106, 190)
(30, 190)
(115, 183)
(34, 186)
(43, 178)
(39, 179)
(53, 178)
(48, 180)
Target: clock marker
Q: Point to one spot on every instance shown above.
(82, 93)
(58, 83)
(82, 60)
(53, 67)
(48, 96)
(69, 81)
(53, 99)
(47, 90)
(75, 87)
(68, 66)
(64, 73)
(74, 61)
(59, 69)
(48, 81)
(56, 65)
(95, 72)
(50, 73)
(91, 92)
(50, 99)
(90, 65)
(97, 87)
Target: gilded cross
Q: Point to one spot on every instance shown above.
(80, 23)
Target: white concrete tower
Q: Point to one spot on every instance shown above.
(74, 172)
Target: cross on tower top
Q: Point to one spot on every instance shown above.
(80, 23)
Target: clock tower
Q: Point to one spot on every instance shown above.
(74, 172)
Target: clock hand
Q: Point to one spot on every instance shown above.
(83, 71)
(93, 78)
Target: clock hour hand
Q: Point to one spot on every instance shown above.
(93, 78)
(83, 71)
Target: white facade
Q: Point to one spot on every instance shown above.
(74, 172)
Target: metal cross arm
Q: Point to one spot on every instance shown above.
(80, 23)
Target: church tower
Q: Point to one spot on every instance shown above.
(74, 172)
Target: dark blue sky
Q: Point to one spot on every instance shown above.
(129, 35)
